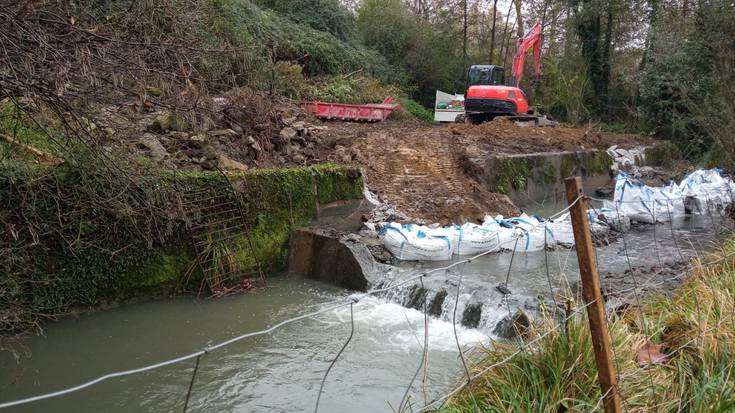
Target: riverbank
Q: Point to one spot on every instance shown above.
(83, 236)
(689, 334)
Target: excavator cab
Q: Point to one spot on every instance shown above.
(488, 75)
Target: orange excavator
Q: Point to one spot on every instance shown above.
(489, 96)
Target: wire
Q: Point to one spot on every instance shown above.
(424, 354)
(191, 383)
(459, 347)
(324, 379)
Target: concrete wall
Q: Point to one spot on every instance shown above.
(539, 177)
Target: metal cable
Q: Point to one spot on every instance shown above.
(324, 379)
(655, 224)
(635, 289)
(459, 347)
(548, 275)
(424, 354)
(191, 383)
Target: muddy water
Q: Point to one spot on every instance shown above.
(282, 372)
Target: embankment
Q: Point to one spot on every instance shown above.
(82, 236)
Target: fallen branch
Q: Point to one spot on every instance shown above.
(43, 156)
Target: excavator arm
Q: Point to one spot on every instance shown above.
(530, 40)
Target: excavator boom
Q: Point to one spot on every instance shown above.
(530, 40)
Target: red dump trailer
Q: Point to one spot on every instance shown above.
(373, 112)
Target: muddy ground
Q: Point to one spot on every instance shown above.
(426, 170)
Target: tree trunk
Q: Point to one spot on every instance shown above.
(507, 47)
(651, 35)
(605, 61)
(505, 33)
(492, 34)
(519, 18)
(464, 32)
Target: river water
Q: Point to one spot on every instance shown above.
(281, 372)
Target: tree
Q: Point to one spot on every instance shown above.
(492, 35)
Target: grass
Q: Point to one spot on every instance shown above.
(695, 326)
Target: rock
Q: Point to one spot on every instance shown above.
(228, 164)
(503, 289)
(292, 149)
(250, 141)
(471, 315)
(154, 147)
(298, 158)
(368, 230)
(435, 307)
(299, 139)
(288, 133)
(300, 128)
(225, 133)
(208, 164)
(386, 213)
(166, 121)
(288, 121)
(417, 297)
(342, 154)
(511, 327)
(320, 254)
(178, 135)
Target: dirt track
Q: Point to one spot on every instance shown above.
(423, 168)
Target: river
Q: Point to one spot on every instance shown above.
(281, 372)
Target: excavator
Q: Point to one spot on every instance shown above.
(489, 96)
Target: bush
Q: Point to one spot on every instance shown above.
(342, 89)
(416, 110)
(281, 39)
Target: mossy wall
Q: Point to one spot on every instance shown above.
(540, 176)
(69, 244)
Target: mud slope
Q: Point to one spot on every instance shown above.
(423, 168)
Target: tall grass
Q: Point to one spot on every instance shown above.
(695, 326)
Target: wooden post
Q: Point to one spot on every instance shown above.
(591, 293)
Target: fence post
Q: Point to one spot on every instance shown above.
(591, 293)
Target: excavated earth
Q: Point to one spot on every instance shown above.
(425, 170)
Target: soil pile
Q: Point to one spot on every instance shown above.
(432, 172)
